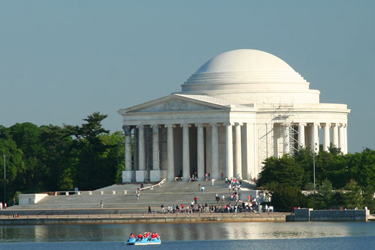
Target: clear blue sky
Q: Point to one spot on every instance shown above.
(60, 61)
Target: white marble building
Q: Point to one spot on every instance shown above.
(239, 108)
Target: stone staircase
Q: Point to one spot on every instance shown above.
(123, 196)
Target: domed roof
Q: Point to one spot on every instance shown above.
(244, 60)
(244, 66)
(250, 76)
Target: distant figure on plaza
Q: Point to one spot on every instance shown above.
(213, 181)
(101, 204)
(206, 177)
(222, 176)
(149, 209)
(199, 187)
(162, 208)
(202, 189)
(196, 200)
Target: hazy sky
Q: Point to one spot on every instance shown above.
(60, 61)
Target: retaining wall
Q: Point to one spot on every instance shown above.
(307, 214)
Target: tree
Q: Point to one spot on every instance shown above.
(368, 197)
(91, 169)
(304, 158)
(58, 159)
(114, 155)
(326, 192)
(31, 173)
(13, 162)
(352, 195)
(285, 171)
(284, 198)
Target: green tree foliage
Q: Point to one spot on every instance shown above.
(284, 198)
(353, 174)
(57, 158)
(52, 158)
(27, 138)
(284, 171)
(13, 162)
(91, 152)
(115, 153)
(352, 195)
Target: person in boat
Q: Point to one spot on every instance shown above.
(132, 236)
(140, 236)
(146, 235)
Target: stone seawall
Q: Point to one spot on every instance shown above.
(132, 219)
(308, 214)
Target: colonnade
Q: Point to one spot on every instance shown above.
(339, 136)
(208, 159)
(229, 148)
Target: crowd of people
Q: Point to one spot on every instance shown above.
(234, 202)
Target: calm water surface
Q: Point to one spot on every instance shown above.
(280, 235)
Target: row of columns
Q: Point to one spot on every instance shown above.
(339, 136)
(233, 144)
(233, 166)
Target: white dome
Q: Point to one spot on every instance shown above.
(245, 66)
(244, 60)
(252, 75)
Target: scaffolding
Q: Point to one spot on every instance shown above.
(279, 135)
(284, 115)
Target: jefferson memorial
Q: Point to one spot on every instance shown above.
(236, 110)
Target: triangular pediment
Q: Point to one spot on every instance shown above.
(178, 103)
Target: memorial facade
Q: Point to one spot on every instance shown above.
(239, 108)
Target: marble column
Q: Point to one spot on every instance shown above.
(136, 148)
(276, 136)
(341, 137)
(286, 141)
(326, 141)
(128, 148)
(185, 152)
(237, 151)
(141, 173)
(315, 137)
(170, 154)
(155, 174)
(229, 150)
(141, 149)
(155, 147)
(128, 173)
(251, 155)
(301, 135)
(200, 151)
(346, 138)
(215, 151)
(335, 135)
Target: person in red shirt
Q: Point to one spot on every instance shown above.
(140, 236)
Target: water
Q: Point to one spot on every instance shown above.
(253, 235)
